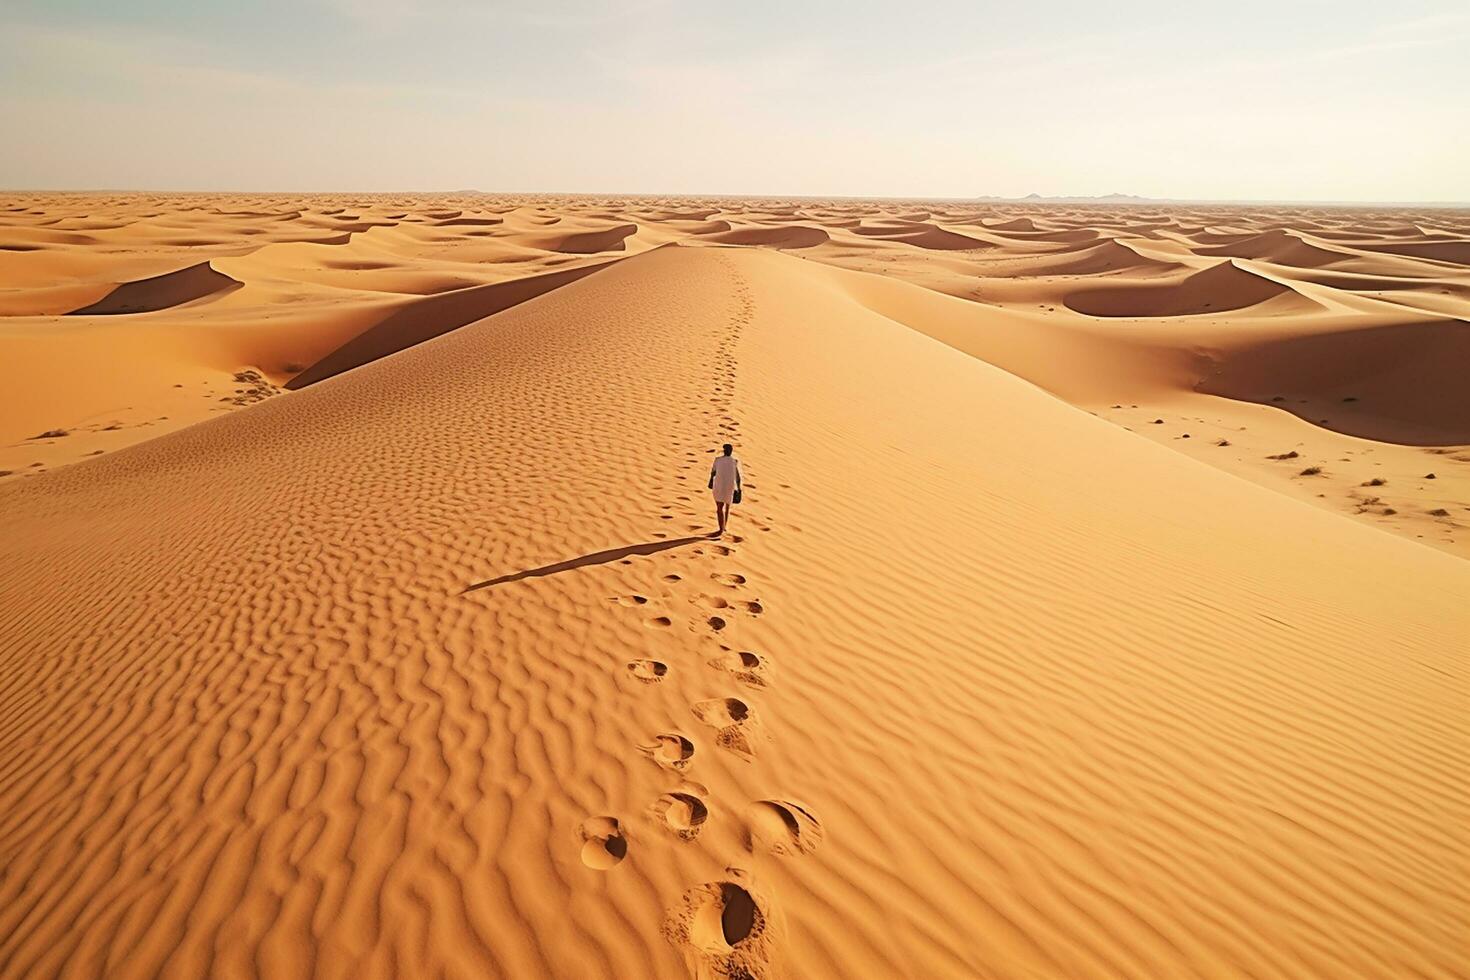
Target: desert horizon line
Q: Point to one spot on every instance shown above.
(1114, 198)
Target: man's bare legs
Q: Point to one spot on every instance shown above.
(722, 514)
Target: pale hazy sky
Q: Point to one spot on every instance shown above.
(1288, 99)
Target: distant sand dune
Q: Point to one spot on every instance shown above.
(1104, 258)
(1075, 236)
(923, 235)
(1012, 224)
(161, 292)
(786, 236)
(696, 214)
(1279, 247)
(693, 227)
(1455, 252)
(468, 222)
(1217, 237)
(1219, 288)
(584, 242)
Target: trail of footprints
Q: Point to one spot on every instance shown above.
(722, 925)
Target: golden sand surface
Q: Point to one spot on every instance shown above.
(1097, 605)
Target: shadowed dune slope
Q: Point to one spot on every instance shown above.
(425, 319)
(1455, 252)
(1279, 247)
(980, 685)
(692, 227)
(583, 242)
(787, 236)
(1221, 287)
(1403, 383)
(1104, 258)
(1014, 224)
(924, 235)
(161, 292)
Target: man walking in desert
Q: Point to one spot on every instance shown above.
(724, 481)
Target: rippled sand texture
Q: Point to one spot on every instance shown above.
(412, 656)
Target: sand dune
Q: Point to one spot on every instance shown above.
(582, 242)
(789, 236)
(317, 723)
(428, 318)
(310, 290)
(468, 222)
(1279, 247)
(1079, 362)
(1013, 224)
(692, 227)
(1074, 236)
(1108, 257)
(694, 215)
(1216, 289)
(1402, 383)
(1457, 252)
(1095, 608)
(923, 235)
(161, 292)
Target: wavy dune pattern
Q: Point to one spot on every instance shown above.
(413, 656)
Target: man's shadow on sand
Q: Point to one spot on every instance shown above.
(596, 558)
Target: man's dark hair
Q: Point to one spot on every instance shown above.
(729, 449)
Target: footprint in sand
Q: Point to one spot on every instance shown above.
(752, 606)
(719, 712)
(658, 622)
(603, 843)
(722, 927)
(630, 600)
(671, 751)
(715, 602)
(783, 827)
(746, 666)
(729, 579)
(682, 813)
(731, 717)
(648, 671)
(673, 577)
(716, 623)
